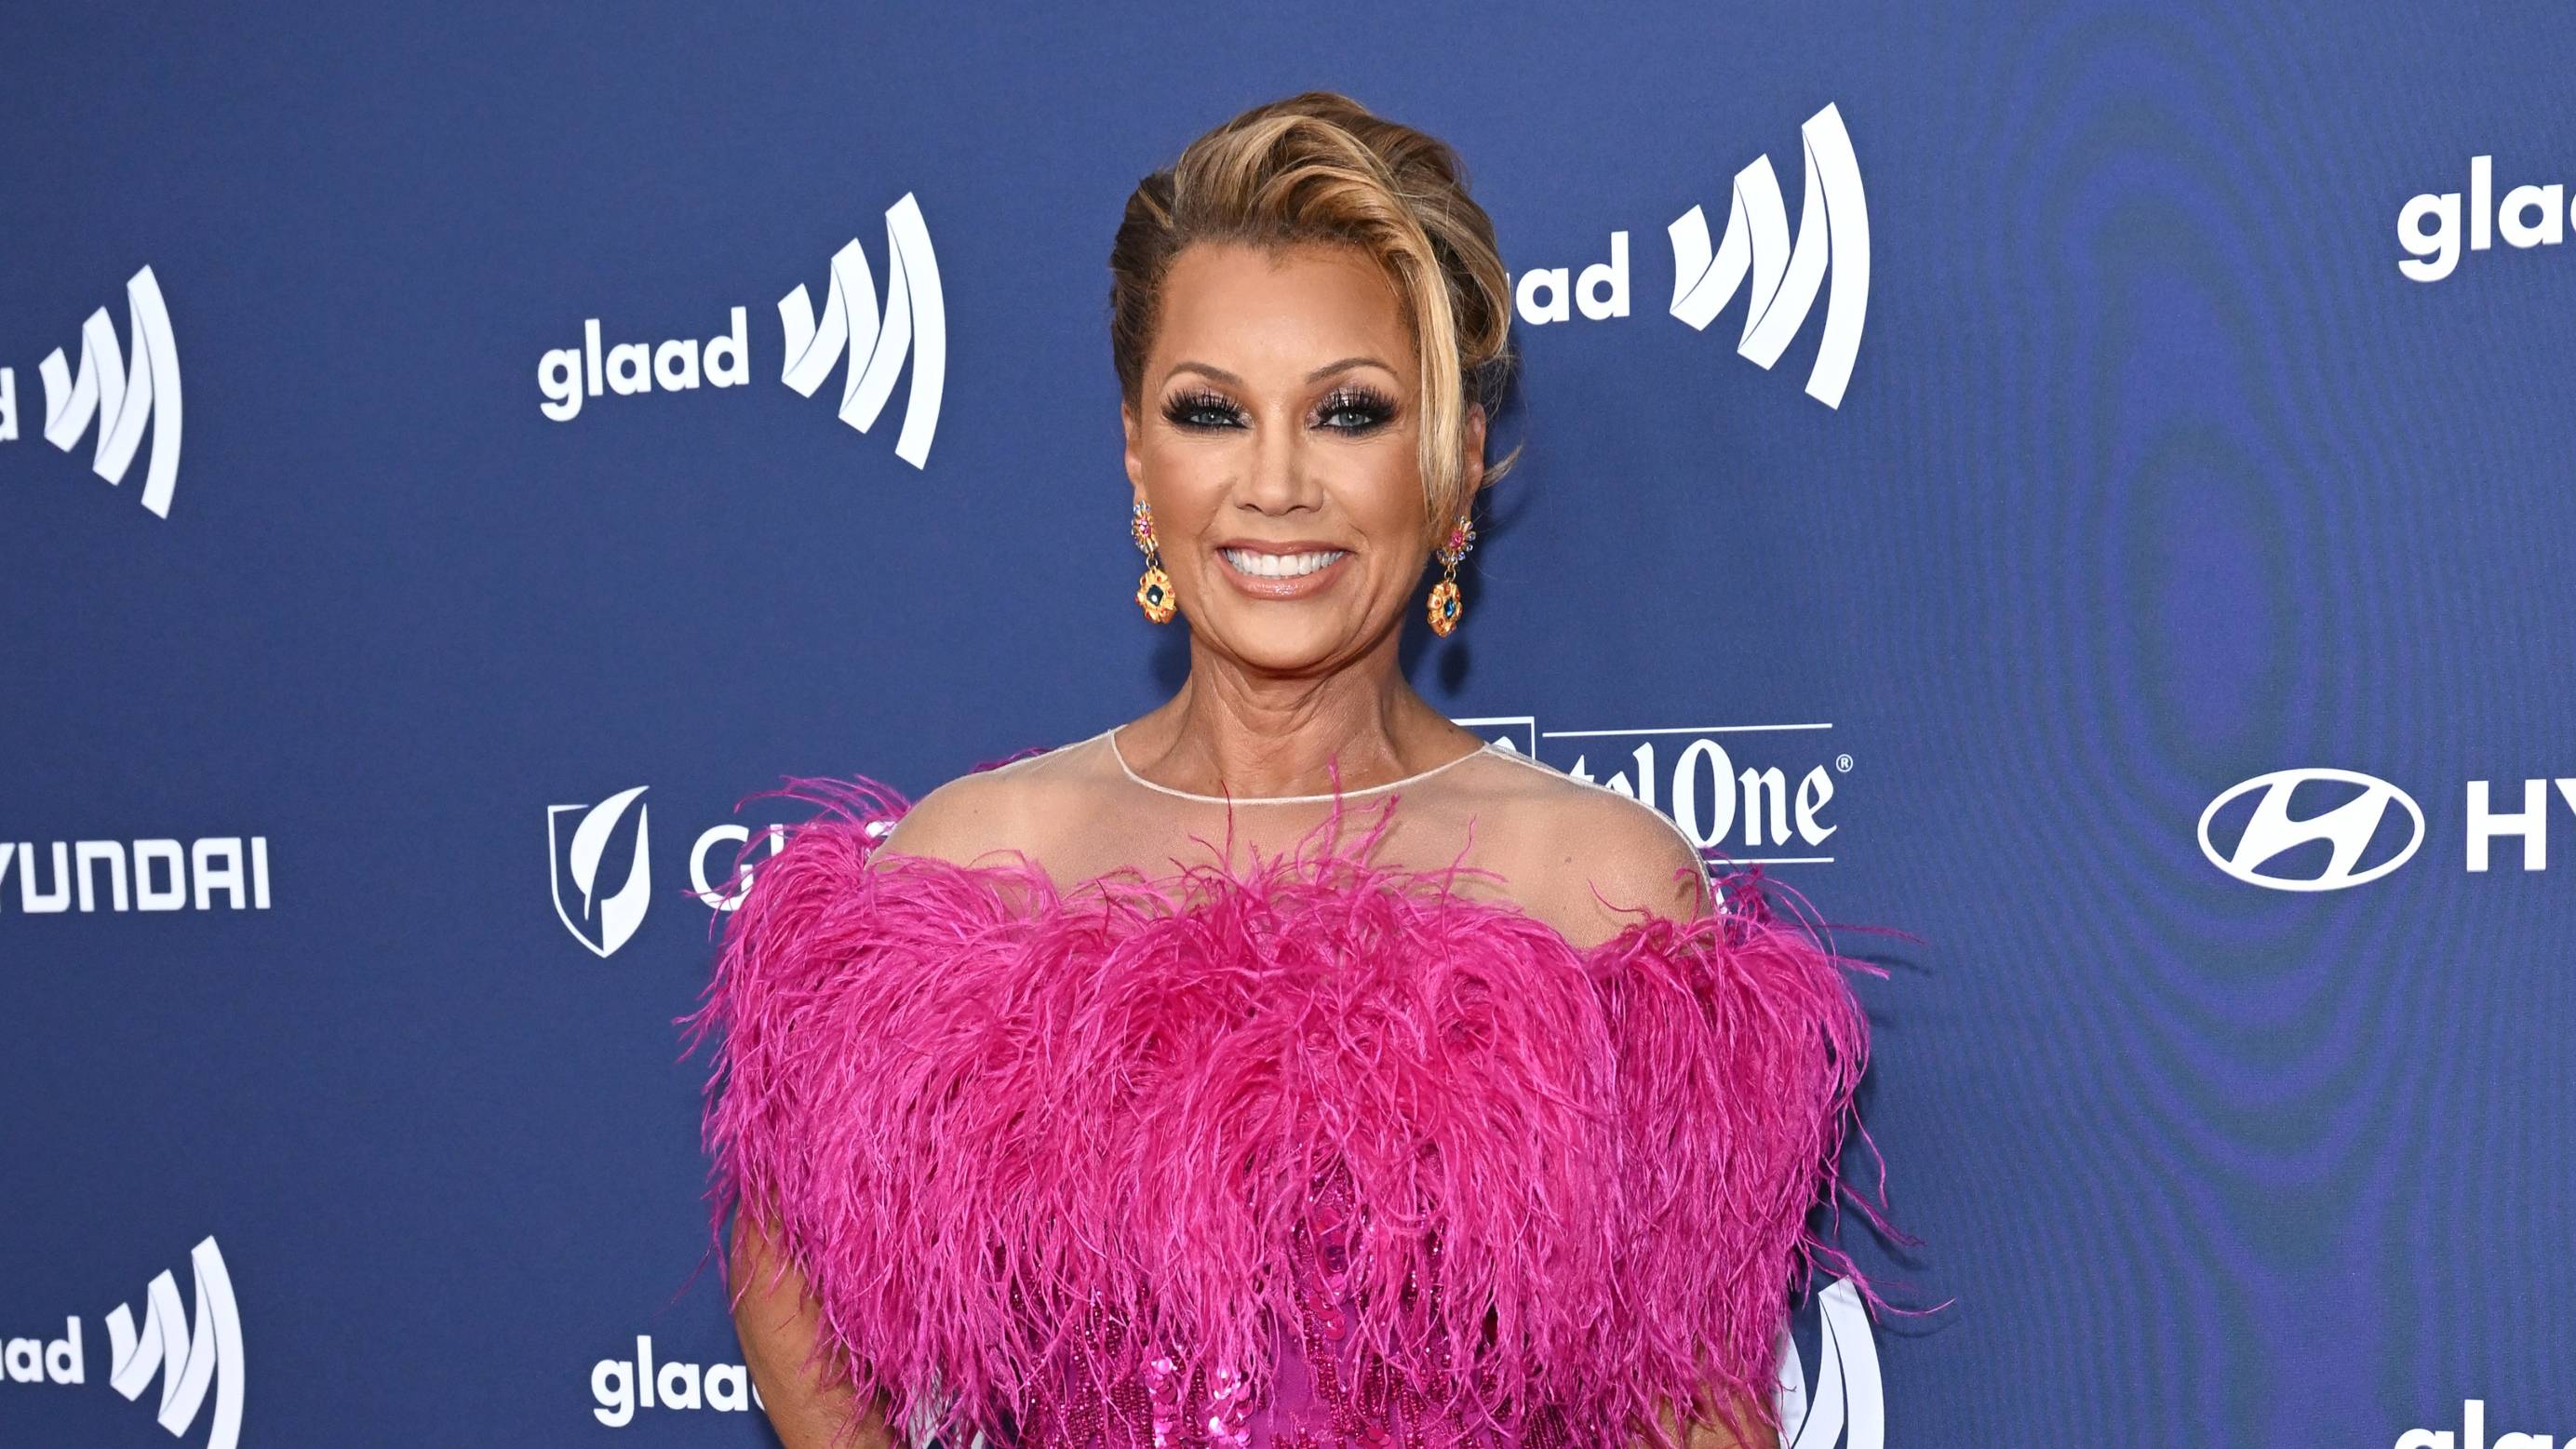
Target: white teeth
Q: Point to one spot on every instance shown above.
(1279, 565)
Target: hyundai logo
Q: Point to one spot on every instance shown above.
(2350, 827)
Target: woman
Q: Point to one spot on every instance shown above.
(1286, 1066)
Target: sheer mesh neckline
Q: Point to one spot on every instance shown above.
(1111, 736)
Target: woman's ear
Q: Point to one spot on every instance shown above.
(1135, 465)
(1471, 448)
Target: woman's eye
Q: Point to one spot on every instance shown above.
(1355, 412)
(1201, 410)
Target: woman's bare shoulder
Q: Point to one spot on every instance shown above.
(1010, 807)
(1588, 857)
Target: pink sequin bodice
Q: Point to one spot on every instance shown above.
(1328, 1392)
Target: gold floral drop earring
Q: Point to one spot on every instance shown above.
(1154, 590)
(1446, 606)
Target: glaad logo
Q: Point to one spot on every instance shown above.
(189, 1359)
(1832, 221)
(186, 1360)
(163, 872)
(1849, 1408)
(1689, 774)
(2428, 226)
(913, 325)
(915, 321)
(622, 1385)
(2354, 826)
(2473, 1434)
(121, 397)
(2349, 828)
(602, 892)
(1779, 277)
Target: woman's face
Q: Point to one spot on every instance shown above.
(1277, 445)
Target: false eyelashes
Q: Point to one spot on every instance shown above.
(1364, 408)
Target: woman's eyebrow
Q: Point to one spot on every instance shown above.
(1318, 375)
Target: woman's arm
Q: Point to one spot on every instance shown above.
(1756, 1434)
(810, 1403)
(777, 1320)
(1624, 855)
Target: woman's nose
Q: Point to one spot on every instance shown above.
(1282, 478)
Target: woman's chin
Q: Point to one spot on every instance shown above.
(1283, 645)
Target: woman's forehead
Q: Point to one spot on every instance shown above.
(1274, 313)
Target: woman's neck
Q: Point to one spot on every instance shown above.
(1233, 730)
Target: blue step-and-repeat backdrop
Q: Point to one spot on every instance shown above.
(2109, 466)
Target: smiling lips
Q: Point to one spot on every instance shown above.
(1281, 575)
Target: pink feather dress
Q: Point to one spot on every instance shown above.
(1281, 1123)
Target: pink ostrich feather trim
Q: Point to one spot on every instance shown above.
(981, 1110)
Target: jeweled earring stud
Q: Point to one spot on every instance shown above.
(1154, 590)
(1446, 605)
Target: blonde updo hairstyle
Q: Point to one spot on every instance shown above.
(1318, 167)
